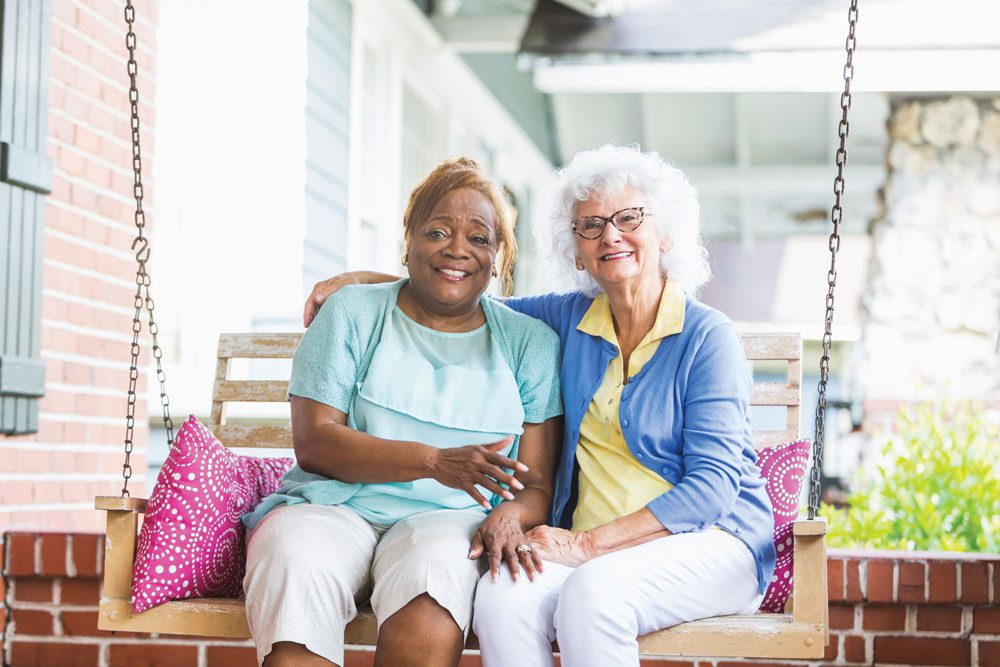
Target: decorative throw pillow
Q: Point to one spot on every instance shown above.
(192, 541)
(783, 469)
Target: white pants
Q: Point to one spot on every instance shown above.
(308, 567)
(597, 610)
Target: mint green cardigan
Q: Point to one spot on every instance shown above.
(342, 341)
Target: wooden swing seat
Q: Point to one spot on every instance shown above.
(801, 632)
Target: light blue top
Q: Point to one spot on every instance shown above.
(685, 416)
(337, 355)
(442, 389)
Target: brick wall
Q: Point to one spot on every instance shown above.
(48, 480)
(886, 608)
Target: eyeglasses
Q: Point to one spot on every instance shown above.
(626, 220)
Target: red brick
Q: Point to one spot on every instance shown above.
(986, 621)
(21, 553)
(939, 619)
(880, 581)
(81, 591)
(33, 589)
(150, 654)
(358, 658)
(922, 651)
(32, 622)
(911, 582)
(853, 591)
(31, 654)
(975, 583)
(653, 662)
(841, 617)
(835, 579)
(53, 554)
(85, 553)
(231, 656)
(752, 664)
(943, 582)
(881, 617)
(81, 624)
(989, 653)
(832, 650)
(854, 649)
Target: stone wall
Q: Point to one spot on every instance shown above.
(932, 305)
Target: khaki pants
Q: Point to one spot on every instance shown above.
(309, 566)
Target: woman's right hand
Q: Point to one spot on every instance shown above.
(465, 467)
(323, 289)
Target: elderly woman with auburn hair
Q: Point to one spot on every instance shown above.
(659, 514)
(417, 407)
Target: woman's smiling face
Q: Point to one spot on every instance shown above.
(617, 256)
(450, 255)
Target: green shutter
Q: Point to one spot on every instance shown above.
(25, 179)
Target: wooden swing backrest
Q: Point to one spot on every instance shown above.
(783, 352)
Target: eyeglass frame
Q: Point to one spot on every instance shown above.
(610, 219)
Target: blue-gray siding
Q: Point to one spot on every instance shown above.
(328, 93)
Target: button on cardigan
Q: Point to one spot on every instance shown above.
(687, 417)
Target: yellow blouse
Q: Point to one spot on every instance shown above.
(612, 483)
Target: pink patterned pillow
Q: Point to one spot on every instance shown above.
(192, 541)
(784, 470)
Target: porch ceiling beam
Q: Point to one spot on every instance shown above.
(905, 70)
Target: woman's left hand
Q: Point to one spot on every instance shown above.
(499, 537)
(562, 546)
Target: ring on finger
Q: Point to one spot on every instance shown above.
(523, 549)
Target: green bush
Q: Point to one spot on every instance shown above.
(937, 487)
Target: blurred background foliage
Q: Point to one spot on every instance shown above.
(936, 486)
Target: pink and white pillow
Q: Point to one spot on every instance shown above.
(192, 543)
(784, 470)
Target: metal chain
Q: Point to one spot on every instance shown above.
(836, 215)
(141, 247)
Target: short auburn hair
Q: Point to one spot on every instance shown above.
(465, 173)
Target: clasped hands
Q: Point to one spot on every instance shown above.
(502, 540)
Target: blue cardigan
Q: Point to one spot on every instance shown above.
(685, 415)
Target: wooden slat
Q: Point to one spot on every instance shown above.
(762, 439)
(764, 346)
(241, 435)
(774, 393)
(266, 391)
(213, 617)
(258, 346)
(120, 504)
(756, 636)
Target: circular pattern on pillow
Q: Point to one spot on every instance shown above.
(192, 541)
(784, 470)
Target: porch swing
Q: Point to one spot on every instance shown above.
(801, 632)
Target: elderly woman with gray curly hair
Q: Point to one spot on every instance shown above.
(659, 513)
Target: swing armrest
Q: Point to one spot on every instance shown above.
(810, 603)
(119, 503)
(119, 547)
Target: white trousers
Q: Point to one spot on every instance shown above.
(597, 610)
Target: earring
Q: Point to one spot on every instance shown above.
(403, 259)
(579, 265)
(494, 272)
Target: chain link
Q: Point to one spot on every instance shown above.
(140, 246)
(836, 216)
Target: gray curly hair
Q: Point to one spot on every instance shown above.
(606, 172)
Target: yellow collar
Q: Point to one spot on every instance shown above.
(597, 321)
